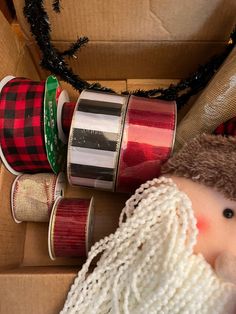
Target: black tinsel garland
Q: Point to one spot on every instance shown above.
(56, 6)
(54, 60)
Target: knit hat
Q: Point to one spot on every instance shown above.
(209, 160)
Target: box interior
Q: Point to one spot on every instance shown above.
(133, 44)
(137, 39)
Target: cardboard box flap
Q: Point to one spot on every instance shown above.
(116, 60)
(34, 290)
(12, 235)
(17, 60)
(141, 20)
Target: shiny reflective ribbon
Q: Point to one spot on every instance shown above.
(94, 141)
(147, 141)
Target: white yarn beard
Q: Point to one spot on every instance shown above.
(148, 265)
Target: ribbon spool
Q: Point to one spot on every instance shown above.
(28, 140)
(95, 138)
(22, 147)
(70, 228)
(67, 114)
(33, 196)
(147, 142)
(65, 110)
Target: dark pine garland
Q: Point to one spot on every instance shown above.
(54, 60)
(74, 47)
(56, 6)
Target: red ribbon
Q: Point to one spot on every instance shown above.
(21, 126)
(147, 142)
(67, 114)
(227, 128)
(69, 231)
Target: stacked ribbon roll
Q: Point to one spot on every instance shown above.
(117, 143)
(95, 138)
(147, 141)
(21, 128)
(29, 141)
(70, 228)
(33, 196)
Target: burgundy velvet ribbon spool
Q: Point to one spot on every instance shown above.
(147, 142)
(22, 145)
(70, 228)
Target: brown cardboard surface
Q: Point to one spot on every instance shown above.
(104, 60)
(17, 60)
(12, 235)
(140, 20)
(141, 39)
(134, 84)
(118, 86)
(34, 290)
(6, 8)
(107, 208)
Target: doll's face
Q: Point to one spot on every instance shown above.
(216, 219)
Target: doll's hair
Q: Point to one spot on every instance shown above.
(148, 265)
(209, 160)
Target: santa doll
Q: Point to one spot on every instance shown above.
(175, 248)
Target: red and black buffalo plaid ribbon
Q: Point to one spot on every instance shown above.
(21, 126)
(227, 128)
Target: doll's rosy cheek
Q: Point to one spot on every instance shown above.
(203, 224)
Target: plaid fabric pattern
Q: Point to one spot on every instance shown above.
(227, 128)
(21, 125)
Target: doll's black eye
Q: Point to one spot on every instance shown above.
(228, 213)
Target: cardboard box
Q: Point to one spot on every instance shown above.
(143, 43)
(139, 39)
(7, 8)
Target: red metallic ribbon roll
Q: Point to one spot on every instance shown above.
(148, 139)
(22, 145)
(70, 228)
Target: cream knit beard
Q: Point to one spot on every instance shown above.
(148, 265)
